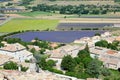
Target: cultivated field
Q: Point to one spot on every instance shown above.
(28, 24)
(100, 2)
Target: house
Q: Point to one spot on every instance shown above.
(97, 51)
(43, 75)
(66, 50)
(59, 53)
(53, 44)
(110, 58)
(111, 63)
(82, 40)
(117, 38)
(106, 34)
(96, 39)
(17, 51)
(33, 46)
(4, 59)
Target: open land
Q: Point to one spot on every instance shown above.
(28, 24)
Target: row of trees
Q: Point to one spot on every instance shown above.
(104, 43)
(81, 9)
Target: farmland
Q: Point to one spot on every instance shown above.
(56, 36)
(75, 2)
(68, 26)
(28, 24)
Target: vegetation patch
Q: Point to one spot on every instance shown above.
(36, 13)
(28, 24)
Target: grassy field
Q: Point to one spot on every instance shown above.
(28, 24)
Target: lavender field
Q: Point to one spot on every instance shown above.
(82, 25)
(56, 36)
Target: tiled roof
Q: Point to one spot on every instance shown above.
(111, 52)
(4, 58)
(118, 38)
(12, 47)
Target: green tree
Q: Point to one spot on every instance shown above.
(10, 66)
(42, 63)
(33, 50)
(50, 63)
(83, 54)
(87, 48)
(97, 34)
(1, 44)
(102, 43)
(93, 68)
(86, 61)
(79, 68)
(105, 72)
(68, 63)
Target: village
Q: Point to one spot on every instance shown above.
(59, 39)
(19, 54)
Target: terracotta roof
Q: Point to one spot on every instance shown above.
(111, 52)
(118, 38)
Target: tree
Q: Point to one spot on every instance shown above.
(13, 66)
(1, 44)
(50, 63)
(105, 72)
(97, 34)
(13, 40)
(79, 68)
(102, 43)
(87, 48)
(86, 61)
(10, 66)
(83, 54)
(93, 68)
(42, 51)
(68, 63)
(42, 63)
(33, 50)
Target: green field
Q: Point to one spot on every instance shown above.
(28, 24)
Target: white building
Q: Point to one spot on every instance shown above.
(17, 51)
